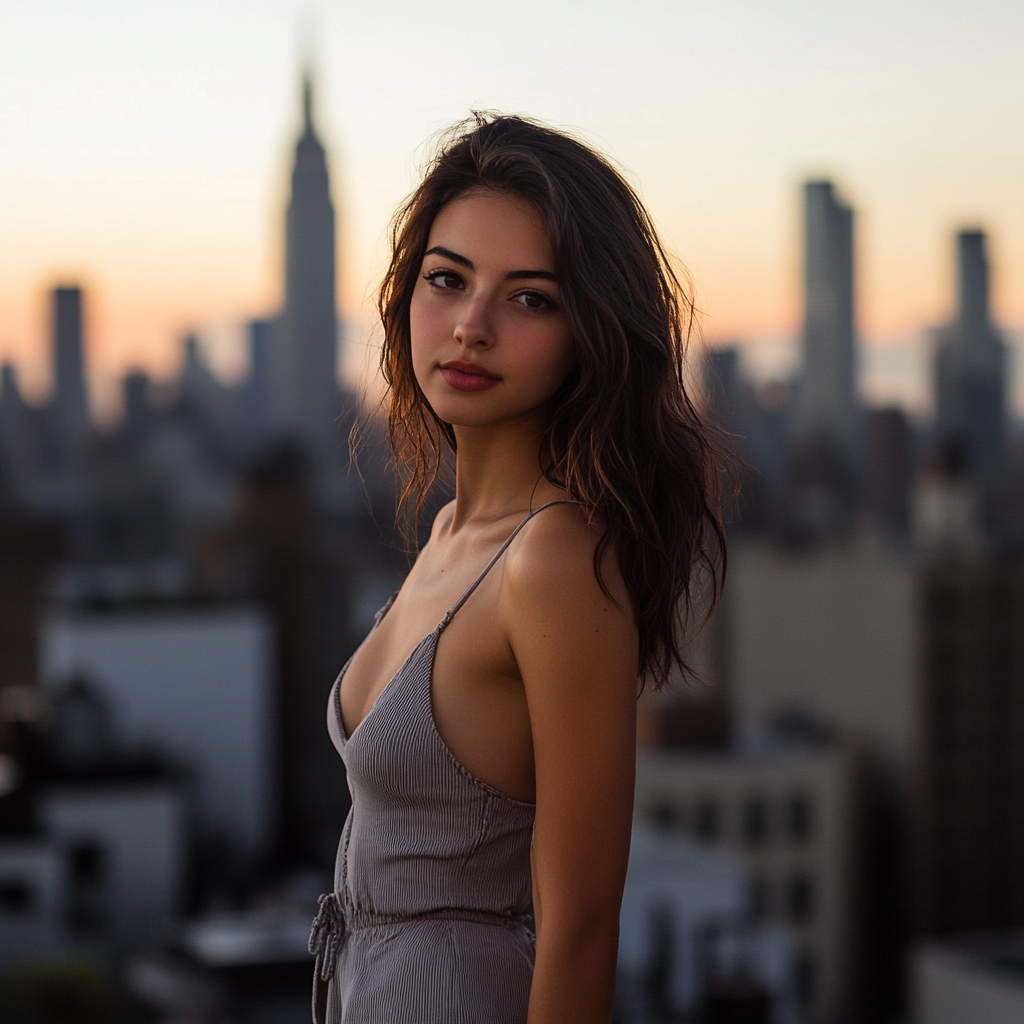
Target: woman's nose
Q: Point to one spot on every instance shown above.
(474, 328)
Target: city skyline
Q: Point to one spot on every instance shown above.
(160, 184)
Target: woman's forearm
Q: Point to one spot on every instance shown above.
(574, 976)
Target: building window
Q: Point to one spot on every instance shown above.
(705, 820)
(758, 896)
(755, 821)
(657, 981)
(800, 818)
(664, 815)
(800, 898)
(87, 903)
(805, 979)
(17, 898)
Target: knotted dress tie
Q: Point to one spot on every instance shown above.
(330, 926)
(326, 935)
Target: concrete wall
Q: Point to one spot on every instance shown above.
(950, 987)
(832, 632)
(31, 900)
(195, 684)
(826, 779)
(141, 836)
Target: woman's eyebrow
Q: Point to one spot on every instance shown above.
(440, 250)
(512, 275)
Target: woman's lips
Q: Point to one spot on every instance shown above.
(467, 376)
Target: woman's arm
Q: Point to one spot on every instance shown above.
(577, 653)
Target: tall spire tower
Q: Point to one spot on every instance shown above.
(303, 373)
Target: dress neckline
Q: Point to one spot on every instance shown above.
(435, 632)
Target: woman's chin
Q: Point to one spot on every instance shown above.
(481, 416)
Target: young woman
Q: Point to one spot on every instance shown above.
(533, 326)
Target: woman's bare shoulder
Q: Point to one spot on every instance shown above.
(553, 560)
(574, 645)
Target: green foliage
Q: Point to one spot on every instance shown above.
(71, 991)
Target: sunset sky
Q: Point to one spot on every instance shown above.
(145, 147)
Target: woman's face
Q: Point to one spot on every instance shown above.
(490, 340)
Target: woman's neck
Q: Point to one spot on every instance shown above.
(498, 471)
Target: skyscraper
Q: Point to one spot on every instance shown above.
(826, 412)
(304, 354)
(823, 457)
(970, 366)
(70, 403)
(16, 447)
(971, 786)
(257, 398)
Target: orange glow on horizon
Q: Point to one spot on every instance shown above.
(148, 155)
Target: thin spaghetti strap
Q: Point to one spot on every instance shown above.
(449, 615)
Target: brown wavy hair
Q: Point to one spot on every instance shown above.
(625, 439)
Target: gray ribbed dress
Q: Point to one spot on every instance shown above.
(426, 924)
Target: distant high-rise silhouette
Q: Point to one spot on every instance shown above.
(257, 408)
(970, 366)
(138, 411)
(197, 384)
(16, 449)
(12, 402)
(827, 406)
(303, 360)
(825, 422)
(70, 401)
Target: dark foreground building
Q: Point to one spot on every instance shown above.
(972, 836)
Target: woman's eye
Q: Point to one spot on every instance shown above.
(533, 300)
(444, 279)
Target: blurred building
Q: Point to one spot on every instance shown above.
(722, 383)
(825, 426)
(692, 714)
(827, 405)
(121, 836)
(303, 577)
(217, 413)
(92, 837)
(970, 982)
(755, 422)
(138, 408)
(888, 469)
(17, 443)
(32, 899)
(919, 658)
(947, 509)
(675, 893)
(27, 551)
(258, 386)
(69, 405)
(970, 872)
(788, 816)
(687, 944)
(829, 632)
(246, 967)
(195, 684)
(303, 353)
(177, 594)
(970, 372)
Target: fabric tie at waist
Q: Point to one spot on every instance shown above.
(326, 934)
(332, 922)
